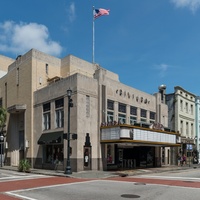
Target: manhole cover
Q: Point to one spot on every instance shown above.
(130, 196)
(139, 183)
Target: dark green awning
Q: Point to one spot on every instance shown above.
(51, 138)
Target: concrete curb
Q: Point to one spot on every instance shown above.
(104, 174)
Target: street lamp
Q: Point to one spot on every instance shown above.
(70, 104)
(2, 141)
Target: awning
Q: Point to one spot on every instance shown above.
(17, 108)
(51, 138)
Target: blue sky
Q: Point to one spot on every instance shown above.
(146, 42)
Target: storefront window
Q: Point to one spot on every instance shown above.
(54, 154)
(110, 154)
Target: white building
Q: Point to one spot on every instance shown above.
(181, 107)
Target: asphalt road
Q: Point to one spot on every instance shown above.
(175, 185)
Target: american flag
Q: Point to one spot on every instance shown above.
(100, 12)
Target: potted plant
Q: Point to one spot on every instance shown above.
(24, 166)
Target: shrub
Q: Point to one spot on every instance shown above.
(24, 166)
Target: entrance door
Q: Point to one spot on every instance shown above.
(87, 158)
(120, 158)
(21, 145)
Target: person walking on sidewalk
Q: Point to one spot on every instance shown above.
(179, 160)
(184, 159)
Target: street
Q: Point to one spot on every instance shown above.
(180, 184)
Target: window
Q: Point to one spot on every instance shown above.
(46, 107)
(59, 104)
(191, 108)
(122, 108)
(133, 110)
(110, 105)
(47, 68)
(110, 153)
(186, 107)
(54, 154)
(87, 106)
(181, 105)
(6, 94)
(181, 129)
(133, 120)
(17, 77)
(143, 120)
(133, 113)
(46, 116)
(143, 115)
(59, 118)
(192, 127)
(187, 128)
(152, 117)
(110, 116)
(122, 118)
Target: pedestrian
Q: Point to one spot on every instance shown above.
(179, 160)
(184, 159)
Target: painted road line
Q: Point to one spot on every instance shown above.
(166, 177)
(13, 193)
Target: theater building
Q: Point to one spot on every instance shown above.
(117, 126)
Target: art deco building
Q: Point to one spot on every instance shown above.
(117, 126)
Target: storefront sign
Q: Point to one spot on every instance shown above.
(152, 136)
(110, 133)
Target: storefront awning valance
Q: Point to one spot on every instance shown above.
(51, 138)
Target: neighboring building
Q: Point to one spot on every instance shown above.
(34, 91)
(197, 101)
(181, 109)
(5, 62)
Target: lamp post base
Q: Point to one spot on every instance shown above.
(68, 170)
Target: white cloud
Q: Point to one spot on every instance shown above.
(193, 5)
(71, 12)
(162, 68)
(20, 38)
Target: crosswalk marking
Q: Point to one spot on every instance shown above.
(15, 178)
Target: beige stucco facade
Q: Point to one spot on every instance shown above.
(36, 79)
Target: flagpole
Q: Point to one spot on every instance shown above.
(93, 40)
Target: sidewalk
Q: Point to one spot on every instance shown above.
(105, 174)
